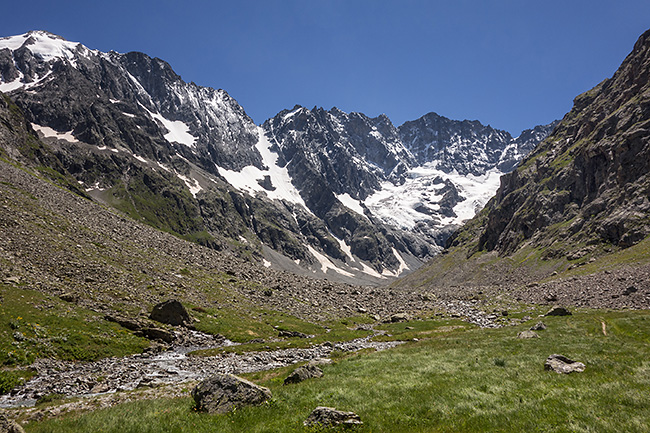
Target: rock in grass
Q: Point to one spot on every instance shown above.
(9, 426)
(399, 317)
(171, 312)
(303, 373)
(329, 417)
(539, 326)
(561, 364)
(527, 334)
(157, 334)
(223, 392)
(558, 311)
(290, 334)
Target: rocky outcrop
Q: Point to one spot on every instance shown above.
(225, 392)
(329, 417)
(303, 373)
(563, 365)
(466, 146)
(588, 183)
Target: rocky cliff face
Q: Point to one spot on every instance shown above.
(585, 189)
(326, 192)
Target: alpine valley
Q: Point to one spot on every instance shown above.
(324, 193)
(155, 241)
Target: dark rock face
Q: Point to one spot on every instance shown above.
(224, 392)
(467, 146)
(329, 417)
(351, 153)
(588, 182)
(171, 312)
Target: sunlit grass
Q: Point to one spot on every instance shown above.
(449, 382)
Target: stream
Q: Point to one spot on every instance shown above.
(149, 370)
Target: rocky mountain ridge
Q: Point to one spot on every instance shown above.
(579, 203)
(310, 191)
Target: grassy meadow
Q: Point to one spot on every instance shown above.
(445, 378)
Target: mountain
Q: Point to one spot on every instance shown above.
(326, 193)
(577, 205)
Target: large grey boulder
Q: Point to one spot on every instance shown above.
(563, 365)
(303, 373)
(223, 392)
(9, 426)
(171, 312)
(328, 416)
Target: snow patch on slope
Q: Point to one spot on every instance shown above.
(51, 133)
(192, 184)
(178, 131)
(247, 179)
(351, 203)
(326, 263)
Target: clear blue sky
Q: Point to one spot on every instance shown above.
(512, 63)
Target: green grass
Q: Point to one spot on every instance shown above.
(9, 379)
(34, 325)
(244, 327)
(477, 380)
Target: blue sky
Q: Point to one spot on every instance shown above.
(510, 64)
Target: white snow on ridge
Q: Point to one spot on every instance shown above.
(46, 46)
(247, 178)
(351, 203)
(49, 132)
(18, 83)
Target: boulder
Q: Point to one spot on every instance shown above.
(9, 426)
(399, 317)
(527, 334)
(171, 312)
(558, 311)
(327, 416)
(539, 326)
(561, 364)
(303, 373)
(291, 334)
(157, 334)
(126, 322)
(223, 392)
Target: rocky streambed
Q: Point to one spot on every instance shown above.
(152, 370)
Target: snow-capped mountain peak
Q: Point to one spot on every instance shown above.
(330, 191)
(43, 45)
